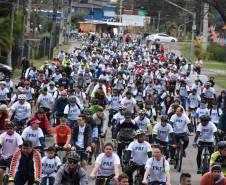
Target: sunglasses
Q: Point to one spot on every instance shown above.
(72, 162)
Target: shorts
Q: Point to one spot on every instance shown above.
(82, 153)
(4, 163)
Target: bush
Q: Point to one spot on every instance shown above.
(216, 52)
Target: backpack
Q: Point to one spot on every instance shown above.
(162, 165)
(217, 112)
(76, 104)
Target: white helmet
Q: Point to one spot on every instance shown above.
(22, 97)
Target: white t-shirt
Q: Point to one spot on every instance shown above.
(45, 100)
(10, 144)
(107, 164)
(139, 151)
(194, 100)
(129, 104)
(50, 166)
(209, 93)
(142, 124)
(114, 102)
(162, 132)
(200, 112)
(180, 123)
(22, 111)
(33, 135)
(80, 140)
(29, 93)
(207, 132)
(215, 115)
(72, 111)
(3, 94)
(157, 169)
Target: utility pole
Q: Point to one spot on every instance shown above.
(159, 19)
(53, 31)
(120, 10)
(22, 37)
(193, 25)
(9, 56)
(28, 27)
(61, 25)
(69, 18)
(205, 25)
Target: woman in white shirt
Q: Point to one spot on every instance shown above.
(106, 166)
(157, 169)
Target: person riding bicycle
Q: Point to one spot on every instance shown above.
(50, 165)
(81, 139)
(157, 169)
(20, 111)
(73, 110)
(193, 102)
(71, 173)
(215, 176)
(9, 143)
(221, 124)
(3, 116)
(129, 102)
(144, 123)
(163, 134)
(60, 105)
(114, 103)
(62, 135)
(179, 122)
(3, 93)
(26, 166)
(206, 134)
(106, 166)
(125, 131)
(209, 94)
(137, 154)
(215, 113)
(34, 134)
(202, 110)
(220, 156)
(101, 121)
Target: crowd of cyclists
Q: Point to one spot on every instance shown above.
(144, 99)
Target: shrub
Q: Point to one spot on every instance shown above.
(216, 52)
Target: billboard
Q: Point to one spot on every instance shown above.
(133, 20)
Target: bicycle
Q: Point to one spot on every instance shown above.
(138, 175)
(6, 171)
(205, 162)
(102, 180)
(192, 117)
(179, 155)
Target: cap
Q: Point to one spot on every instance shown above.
(22, 97)
(216, 166)
(20, 89)
(2, 83)
(3, 107)
(34, 120)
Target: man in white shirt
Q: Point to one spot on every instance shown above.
(9, 142)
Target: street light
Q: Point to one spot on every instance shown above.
(193, 25)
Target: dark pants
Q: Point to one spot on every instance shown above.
(132, 167)
(200, 148)
(51, 180)
(22, 180)
(184, 138)
(165, 147)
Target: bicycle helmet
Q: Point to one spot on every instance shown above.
(86, 111)
(72, 155)
(22, 97)
(221, 145)
(140, 132)
(204, 118)
(208, 84)
(72, 99)
(164, 118)
(127, 114)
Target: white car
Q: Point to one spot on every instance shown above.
(161, 37)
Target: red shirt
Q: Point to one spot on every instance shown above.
(62, 132)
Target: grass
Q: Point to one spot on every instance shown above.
(65, 47)
(221, 81)
(16, 73)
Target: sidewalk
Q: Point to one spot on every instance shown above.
(74, 44)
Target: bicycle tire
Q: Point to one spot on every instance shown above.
(180, 158)
(205, 166)
(176, 158)
(137, 180)
(97, 151)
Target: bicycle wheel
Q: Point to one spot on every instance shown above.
(180, 158)
(176, 158)
(137, 180)
(5, 180)
(205, 166)
(97, 151)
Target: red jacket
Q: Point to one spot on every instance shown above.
(44, 125)
(207, 179)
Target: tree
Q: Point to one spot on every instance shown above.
(220, 6)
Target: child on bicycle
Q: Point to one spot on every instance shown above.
(50, 165)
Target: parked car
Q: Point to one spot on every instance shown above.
(160, 37)
(5, 71)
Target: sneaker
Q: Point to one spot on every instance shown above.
(199, 171)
